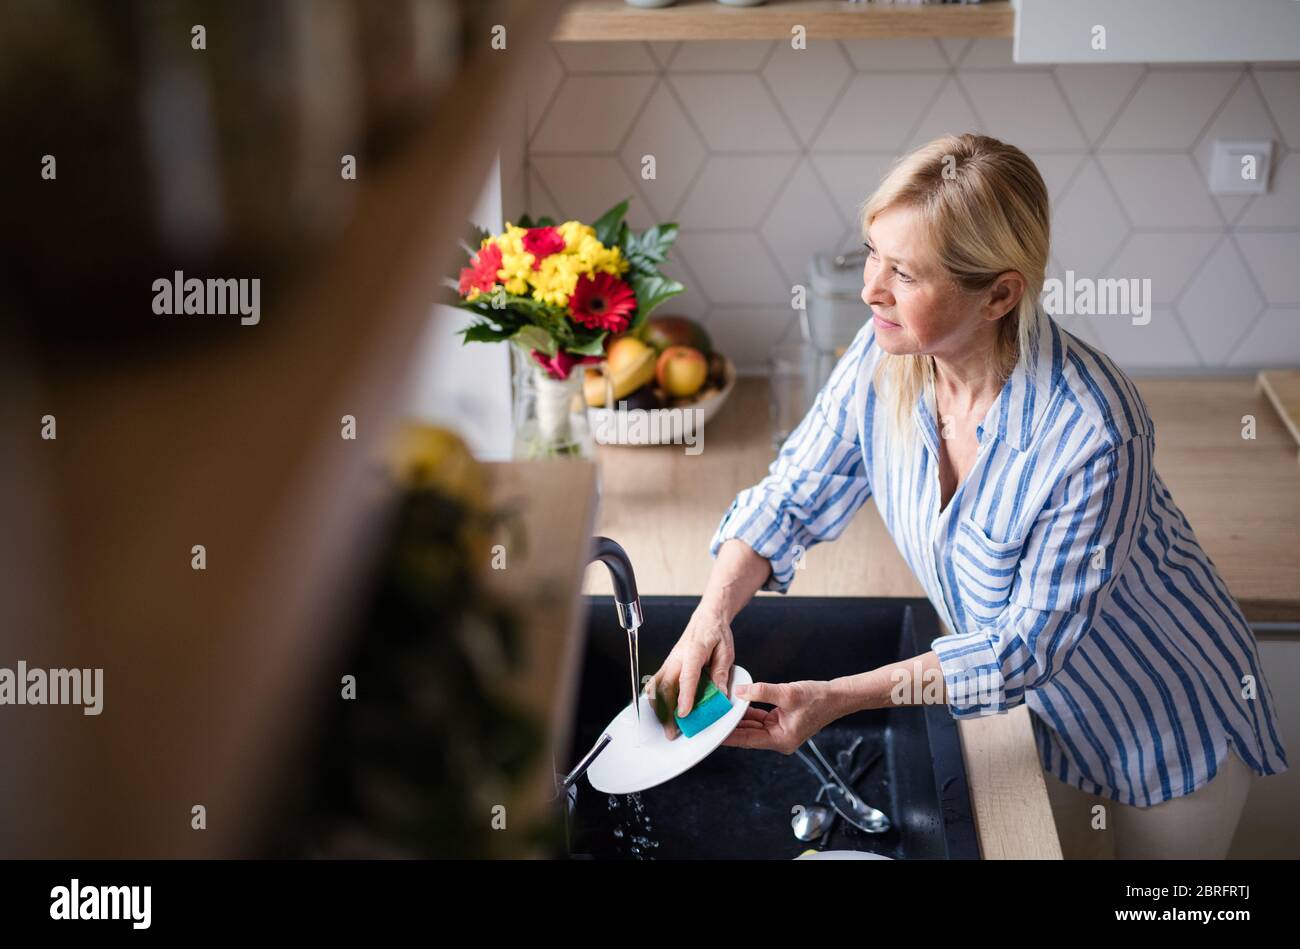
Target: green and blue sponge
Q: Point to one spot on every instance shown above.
(710, 705)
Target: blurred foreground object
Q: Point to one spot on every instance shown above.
(136, 148)
(417, 759)
(180, 433)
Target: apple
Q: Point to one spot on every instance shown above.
(664, 331)
(681, 370)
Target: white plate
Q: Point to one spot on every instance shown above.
(641, 756)
(658, 426)
(843, 855)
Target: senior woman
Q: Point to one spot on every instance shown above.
(1012, 464)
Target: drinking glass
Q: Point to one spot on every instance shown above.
(789, 371)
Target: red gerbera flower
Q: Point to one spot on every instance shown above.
(603, 302)
(542, 242)
(482, 272)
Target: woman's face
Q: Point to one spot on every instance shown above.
(917, 307)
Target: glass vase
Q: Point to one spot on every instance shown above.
(550, 415)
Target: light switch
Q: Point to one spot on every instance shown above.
(1240, 167)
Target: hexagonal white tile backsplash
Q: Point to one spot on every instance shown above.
(764, 154)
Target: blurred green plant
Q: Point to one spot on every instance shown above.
(414, 764)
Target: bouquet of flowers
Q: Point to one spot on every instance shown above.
(559, 291)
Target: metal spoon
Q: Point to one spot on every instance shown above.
(846, 803)
(811, 822)
(852, 809)
(844, 759)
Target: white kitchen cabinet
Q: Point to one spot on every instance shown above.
(1157, 31)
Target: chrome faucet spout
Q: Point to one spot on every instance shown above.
(628, 603)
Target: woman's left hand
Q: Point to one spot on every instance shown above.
(802, 710)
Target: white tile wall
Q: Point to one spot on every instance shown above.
(877, 111)
(951, 109)
(1283, 208)
(664, 131)
(1281, 90)
(764, 154)
(735, 189)
(734, 112)
(1026, 108)
(1220, 303)
(1160, 344)
(1161, 189)
(592, 113)
(1097, 93)
(805, 88)
(1088, 223)
(1168, 259)
(1274, 259)
(1170, 109)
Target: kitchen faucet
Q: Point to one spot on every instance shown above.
(628, 603)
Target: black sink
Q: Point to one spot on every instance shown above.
(737, 803)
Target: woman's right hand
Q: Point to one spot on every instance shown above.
(705, 648)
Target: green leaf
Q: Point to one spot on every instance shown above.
(534, 337)
(647, 251)
(593, 347)
(524, 221)
(608, 225)
(546, 221)
(651, 292)
(484, 332)
(652, 247)
(666, 235)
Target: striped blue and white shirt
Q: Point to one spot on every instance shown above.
(1066, 575)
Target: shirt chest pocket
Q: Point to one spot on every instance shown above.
(985, 570)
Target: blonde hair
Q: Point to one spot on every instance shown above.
(985, 209)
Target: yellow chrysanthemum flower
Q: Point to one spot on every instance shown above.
(556, 276)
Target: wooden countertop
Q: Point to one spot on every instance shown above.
(1241, 496)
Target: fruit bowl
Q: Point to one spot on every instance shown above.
(675, 424)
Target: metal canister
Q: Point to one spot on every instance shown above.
(835, 311)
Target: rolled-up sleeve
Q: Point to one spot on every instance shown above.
(1082, 538)
(815, 484)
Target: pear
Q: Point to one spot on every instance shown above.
(629, 365)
